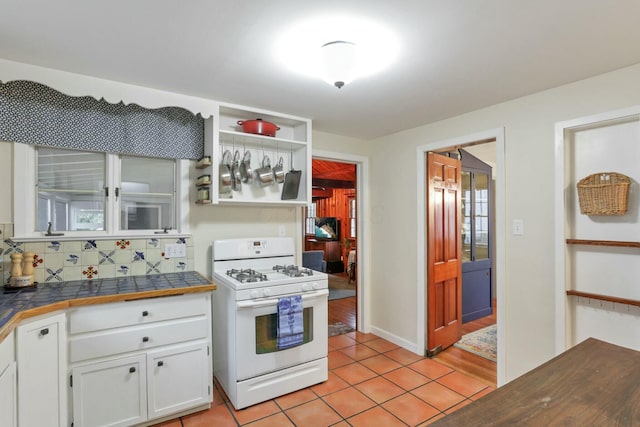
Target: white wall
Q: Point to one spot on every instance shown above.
(529, 177)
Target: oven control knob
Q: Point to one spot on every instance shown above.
(306, 287)
(316, 285)
(254, 294)
(267, 292)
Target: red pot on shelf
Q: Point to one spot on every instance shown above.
(259, 127)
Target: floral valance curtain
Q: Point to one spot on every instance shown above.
(33, 113)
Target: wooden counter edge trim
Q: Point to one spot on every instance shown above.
(15, 320)
(604, 298)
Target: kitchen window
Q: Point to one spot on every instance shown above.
(83, 193)
(352, 217)
(310, 224)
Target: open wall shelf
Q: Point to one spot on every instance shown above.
(292, 144)
(597, 254)
(614, 243)
(604, 298)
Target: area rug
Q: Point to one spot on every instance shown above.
(339, 287)
(481, 342)
(339, 329)
(341, 293)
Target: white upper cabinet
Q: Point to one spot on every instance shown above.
(251, 168)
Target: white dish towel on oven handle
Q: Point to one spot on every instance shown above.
(290, 321)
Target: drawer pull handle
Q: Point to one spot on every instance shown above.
(132, 370)
(44, 331)
(160, 363)
(145, 339)
(145, 313)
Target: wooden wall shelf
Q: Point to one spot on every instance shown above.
(604, 243)
(604, 298)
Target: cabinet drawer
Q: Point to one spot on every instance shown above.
(7, 352)
(138, 312)
(124, 340)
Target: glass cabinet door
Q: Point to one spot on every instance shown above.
(481, 216)
(475, 216)
(466, 216)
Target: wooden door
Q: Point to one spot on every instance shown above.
(444, 266)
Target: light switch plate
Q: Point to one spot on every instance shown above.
(518, 227)
(175, 250)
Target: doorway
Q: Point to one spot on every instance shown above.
(331, 232)
(491, 142)
(473, 349)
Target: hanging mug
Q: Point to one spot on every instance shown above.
(225, 173)
(236, 177)
(265, 173)
(278, 171)
(245, 168)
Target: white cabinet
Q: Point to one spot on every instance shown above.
(175, 379)
(8, 392)
(136, 361)
(292, 143)
(110, 393)
(41, 363)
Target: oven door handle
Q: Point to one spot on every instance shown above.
(274, 301)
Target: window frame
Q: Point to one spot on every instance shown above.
(25, 195)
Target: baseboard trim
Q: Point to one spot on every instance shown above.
(408, 345)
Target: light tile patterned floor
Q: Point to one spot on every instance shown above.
(372, 382)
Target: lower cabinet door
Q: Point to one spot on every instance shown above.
(111, 393)
(41, 365)
(178, 379)
(8, 400)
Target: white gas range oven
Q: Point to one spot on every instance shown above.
(269, 320)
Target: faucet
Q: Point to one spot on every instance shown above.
(49, 233)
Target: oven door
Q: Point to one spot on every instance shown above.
(256, 335)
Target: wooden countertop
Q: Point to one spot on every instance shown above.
(50, 297)
(594, 383)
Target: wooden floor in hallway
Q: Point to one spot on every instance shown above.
(469, 363)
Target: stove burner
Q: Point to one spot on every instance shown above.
(246, 275)
(293, 270)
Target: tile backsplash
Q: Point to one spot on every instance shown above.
(57, 261)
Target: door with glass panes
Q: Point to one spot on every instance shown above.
(476, 220)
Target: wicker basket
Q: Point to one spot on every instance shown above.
(604, 193)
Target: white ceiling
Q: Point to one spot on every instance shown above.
(457, 55)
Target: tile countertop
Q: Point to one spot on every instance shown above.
(49, 297)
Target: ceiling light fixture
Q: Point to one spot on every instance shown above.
(339, 60)
(337, 49)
